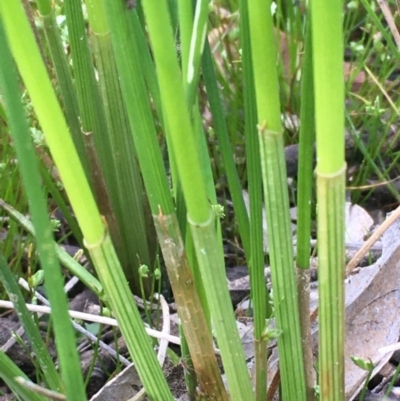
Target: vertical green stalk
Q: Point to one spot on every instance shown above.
(221, 131)
(185, 21)
(193, 59)
(63, 73)
(264, 56)
(201, 219)
(304, 202)
(195, 26)
(327, 41)
(191, 54)
(257, 280)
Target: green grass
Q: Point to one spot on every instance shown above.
(116, 111)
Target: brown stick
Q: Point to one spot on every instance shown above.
(371, 240)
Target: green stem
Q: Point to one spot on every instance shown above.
(200, 217)
(327, 42)
(264, 56)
